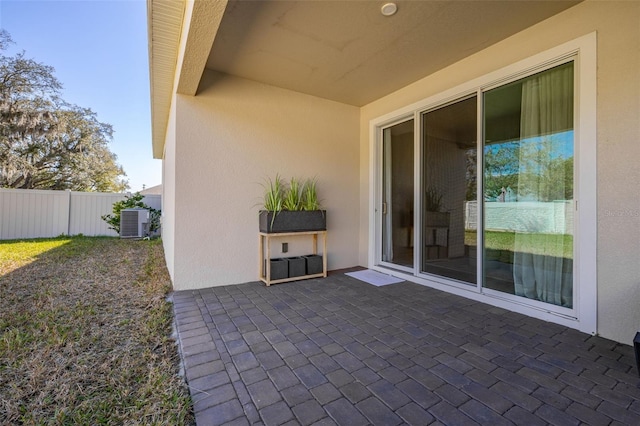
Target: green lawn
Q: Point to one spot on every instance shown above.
(559, 245)
(85, 334)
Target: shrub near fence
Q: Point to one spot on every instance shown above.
(29, 213)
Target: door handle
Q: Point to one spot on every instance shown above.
(384, 208)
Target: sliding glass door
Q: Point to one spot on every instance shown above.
(398, 194)
(494, 194)
(449, 191)
(528, 187)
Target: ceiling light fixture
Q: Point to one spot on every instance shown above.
(389, 9)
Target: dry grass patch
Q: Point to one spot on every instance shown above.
(85, 334)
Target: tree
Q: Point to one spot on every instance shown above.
(45, 142)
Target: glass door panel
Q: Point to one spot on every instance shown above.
(528, 187)
(398, 194)
(449, 191)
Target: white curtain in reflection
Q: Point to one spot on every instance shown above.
(540, 269)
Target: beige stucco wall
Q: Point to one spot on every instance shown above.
(169, 192)
(618, 86)
(231, 137)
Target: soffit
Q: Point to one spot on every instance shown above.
(164, 24)
(348, 52)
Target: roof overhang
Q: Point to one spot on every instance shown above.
(346, 51)
(181, 34)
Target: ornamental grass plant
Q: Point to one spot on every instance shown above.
(295, 196)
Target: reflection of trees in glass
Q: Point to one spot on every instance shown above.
(546, 169)
(501, 168)
(538, 169)
(471, 175)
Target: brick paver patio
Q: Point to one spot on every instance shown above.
(340, 351)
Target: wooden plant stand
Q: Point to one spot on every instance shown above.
(264, 248)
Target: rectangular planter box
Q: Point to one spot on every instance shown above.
(437, 219)
(313, 264)
(436, 252)
(293, 221)
(297, 266)
(279, 269)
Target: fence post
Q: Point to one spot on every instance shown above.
(69, 213)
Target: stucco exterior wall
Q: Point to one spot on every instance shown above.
(618, 136)
(169, 192)
(231, 137)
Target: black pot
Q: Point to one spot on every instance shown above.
(297, 266)
(279, 269)
(313, 264)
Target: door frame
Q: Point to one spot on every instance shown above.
(379, 198)
(584, 314)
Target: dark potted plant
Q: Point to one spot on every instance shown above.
(433, 205)
(435, 220)
(291, 208)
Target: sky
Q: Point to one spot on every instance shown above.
(99, 52)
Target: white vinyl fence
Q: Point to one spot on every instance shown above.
(555, 217)
(28, 213)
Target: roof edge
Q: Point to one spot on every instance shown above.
(164, 26)
(181, 35)
(204, 20)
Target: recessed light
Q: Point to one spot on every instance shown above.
(389, 9)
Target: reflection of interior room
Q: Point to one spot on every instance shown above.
(402, 193)
(449, 191)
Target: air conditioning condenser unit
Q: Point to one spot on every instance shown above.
(134, 223)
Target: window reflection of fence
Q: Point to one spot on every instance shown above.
(526, 216)
(26, 213)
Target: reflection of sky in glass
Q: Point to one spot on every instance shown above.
(562, 143)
